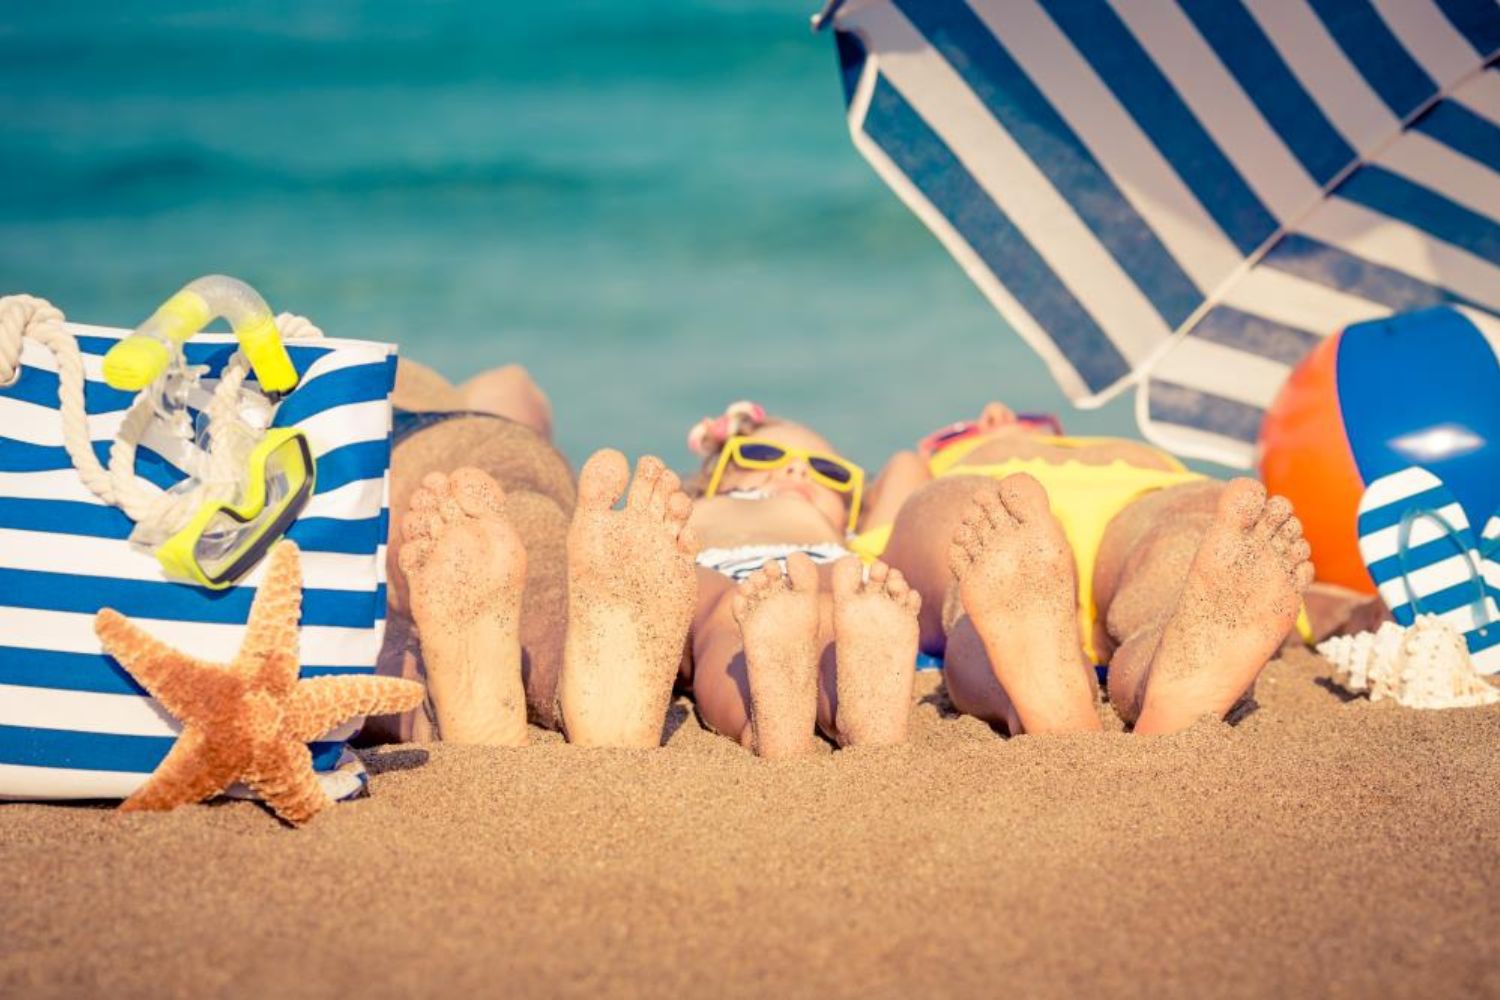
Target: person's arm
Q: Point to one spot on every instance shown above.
(903, 475)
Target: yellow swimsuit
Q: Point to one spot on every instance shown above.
(1084, 498)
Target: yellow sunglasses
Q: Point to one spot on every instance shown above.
(838, 474)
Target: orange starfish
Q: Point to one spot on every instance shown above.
(249, 720)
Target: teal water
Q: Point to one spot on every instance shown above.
(654, 205)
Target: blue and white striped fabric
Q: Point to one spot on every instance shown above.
(1186, 195)
(73, 724)
(1417, 542)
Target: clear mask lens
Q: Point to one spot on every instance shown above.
(228, 537)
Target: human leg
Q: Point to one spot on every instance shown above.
(785, 638)
(465, 567)
(1196, 601)
(875, 649)
(920, 548)
(831, 648)
(717, 673)
(539, 498)
(510, 391)
(1017, 581)
(970, 679)
(631, 597)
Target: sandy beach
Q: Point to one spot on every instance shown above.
(1321, 846)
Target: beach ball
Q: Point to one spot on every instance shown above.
(1419, 388)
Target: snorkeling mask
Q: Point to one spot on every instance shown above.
(247, 482)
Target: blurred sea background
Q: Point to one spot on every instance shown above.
(654, 205)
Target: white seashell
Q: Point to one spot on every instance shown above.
(1424, 666)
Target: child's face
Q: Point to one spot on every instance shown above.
(794, 479)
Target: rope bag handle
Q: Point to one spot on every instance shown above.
(26, 316)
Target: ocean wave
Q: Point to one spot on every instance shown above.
(53, 185)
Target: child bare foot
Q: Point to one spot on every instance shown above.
(778, 616)
(631, 591)
(465, 568)
(875, 633)
(1018, 583)
(1239, 601)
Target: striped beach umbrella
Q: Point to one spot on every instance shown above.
(1186, 196)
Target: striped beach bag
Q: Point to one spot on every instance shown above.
(73, 724)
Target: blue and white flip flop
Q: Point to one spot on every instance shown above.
(1489, 558)
(1415, 539)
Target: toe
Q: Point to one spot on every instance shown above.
(414, 556)
(754, 582)
(1290, 531)
(913, 603)
(748, 592)
(648, 473)
(1024, 497)
(425, 498)
(478, 494)
(421, 525)
(1272, 516)
(848, 574)
(602, 482)
(687, 541)
(991, 509)
(1278, 509)
(770, 574)
(959, 559)
(448, 508)
(1303, 576)
(1299, 550)
(896, 586)
(678, 508)
(1285, 537)
(802, 572)
(878, 574)
(667, 486)
(1241, 503)
(966, 537)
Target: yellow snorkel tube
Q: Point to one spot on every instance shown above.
(247, 481)
(145, 355)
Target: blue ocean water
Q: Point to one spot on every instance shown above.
(654, 204)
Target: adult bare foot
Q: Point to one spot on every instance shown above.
(1018, 583)
(631, 591)
(875, 635)
(778, 615)
(465, 568)
(1239, 601)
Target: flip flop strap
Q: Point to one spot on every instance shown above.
(1471, 563)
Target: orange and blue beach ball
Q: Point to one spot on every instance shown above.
(1415, 389)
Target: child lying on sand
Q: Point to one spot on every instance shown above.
(790, 628)
(1186, 587)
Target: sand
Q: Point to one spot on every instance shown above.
(1322, 846)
